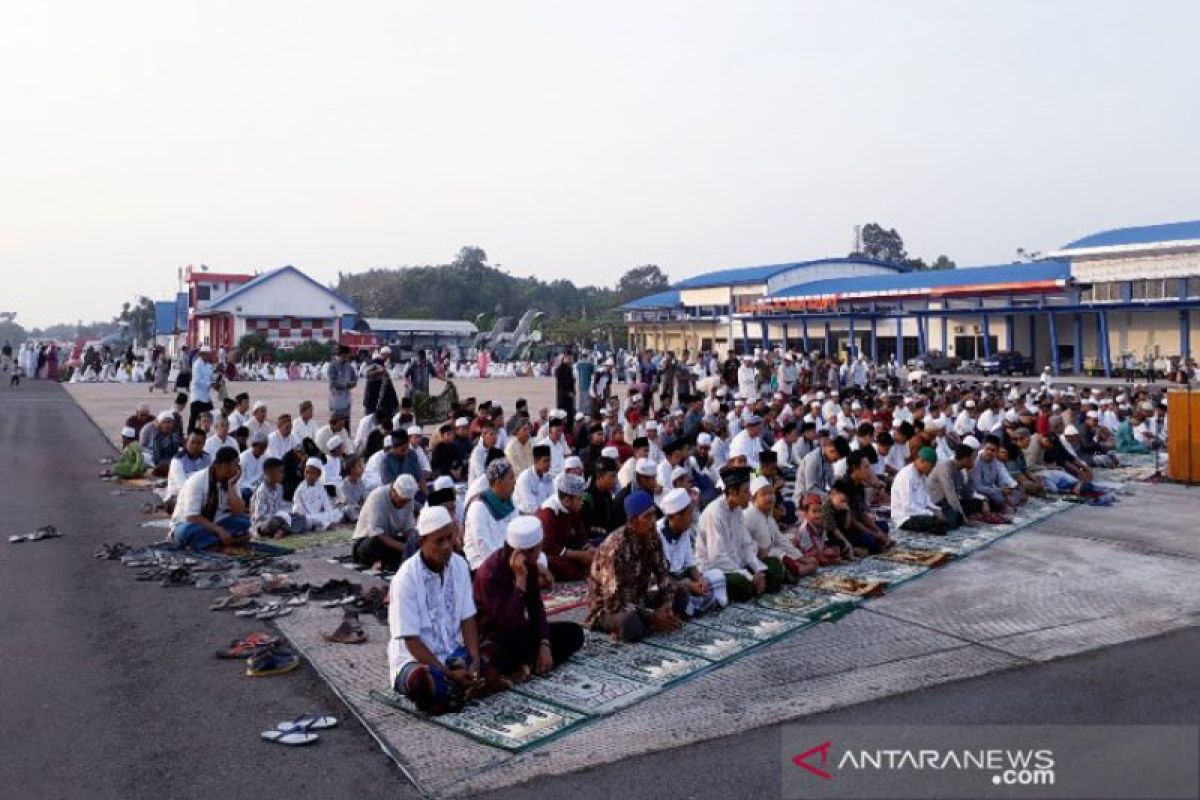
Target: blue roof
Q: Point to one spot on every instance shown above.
(668, 299)
(1146, 234)
(933, 279)
(266, 276)
(744, 275)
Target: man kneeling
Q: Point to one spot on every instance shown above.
(517, 638)
(433, 652)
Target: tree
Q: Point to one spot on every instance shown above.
(641, 281)
(137, 319)
(943, 262)
(880, 244)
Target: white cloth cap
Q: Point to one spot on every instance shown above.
(1071, 430)
(611, 452)
(462, 422)
(646, 467)
(971, 442)
(128, 432)
(651, 426)
(414, 430)
(677, 473)
(315, 463)
(703, 440)
(405, 486)
(334, 442)
(675, 501)
(758, 484)
(257, 405)
(969, 404)
(432, 519)
(443, 482)
(572, 462)
(523, 533)
(164, 416)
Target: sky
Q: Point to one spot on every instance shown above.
(572, 140)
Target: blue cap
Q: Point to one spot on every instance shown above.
(638, 503)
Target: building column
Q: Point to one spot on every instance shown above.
(1054, 367)
(1185, 333)
(1077, 328)
(945, 335)
(921, 339)
(853, 342)
(1010, 332)
(1105, 356)
(804, 334)
(785, 337)
(745, 337)
(764, 335)
(1033, 340)
(899, 340)
(828, 340)
(874, 340)
(987, 338)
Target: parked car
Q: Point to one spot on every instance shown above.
(934, 361)
(1007, 362)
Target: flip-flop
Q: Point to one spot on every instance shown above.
(290, 738)
(249, 611)
(45, 532)
(271, 662)
(308, 722)
(250, 646)
(18, 538)
(298, 600)
(272, 611)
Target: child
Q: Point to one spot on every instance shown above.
(130, 464)
(810, 535)
(836, 520)
(352, 491)
(312, 501)
(268, 514)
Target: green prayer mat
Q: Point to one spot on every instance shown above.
(879, 569)
(305, 541)
(808, 604)
(507, 720)
(586, 689)
(638, 661)
(699, 640)
(752, 621)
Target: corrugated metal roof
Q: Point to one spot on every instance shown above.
(452, 326)
(668, 299)
(1145, 234)
(932, 279)
(259, 280)
(744, 275)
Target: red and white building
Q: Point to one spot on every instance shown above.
(284, 305)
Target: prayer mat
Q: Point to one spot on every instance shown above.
(809, 604)
(752, 621)
(564, 597)
(916, 556)
(305, 541)
(698, 640)
(638, 661)
(586, 689)
(873, 568)
(835, 583)
(507, 720)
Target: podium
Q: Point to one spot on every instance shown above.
(1183, 445)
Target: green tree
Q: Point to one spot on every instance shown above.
(641, 281)
(136, 320)
(881, 244)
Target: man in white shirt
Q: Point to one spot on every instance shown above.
(725, 544)
(306, 426)
(201, 520)
(282, 440)
(535, 484)
(190, 459)
(488, 513)
(433, 651)
(251, 462)
(258, 422)
(747, 442)
(383, 533)
(554, 439)
(478, 462)
(912, 508)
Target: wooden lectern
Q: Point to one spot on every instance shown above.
(1183, 445)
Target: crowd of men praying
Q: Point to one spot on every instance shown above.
(673, 486)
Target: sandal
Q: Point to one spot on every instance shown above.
(290, 738)
(252, 645)
(271, 661)
(308, 722)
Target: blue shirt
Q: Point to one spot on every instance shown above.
(202, 378)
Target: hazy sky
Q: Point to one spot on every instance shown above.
(572, 140)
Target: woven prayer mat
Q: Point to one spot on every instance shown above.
(809, 604)
(639, 661)
(564, 597)
(875, 568)
(586, 689)
(753, 622)
(507, 720)
(305, 541)
(705, 642)
(922, 557)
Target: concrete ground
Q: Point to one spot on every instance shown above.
(94, 651)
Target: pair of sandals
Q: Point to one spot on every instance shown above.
(44, 532)
(269, 611)
(252, 645)
(349, 632)
(299, 732)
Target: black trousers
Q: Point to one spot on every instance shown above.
(197, 408)
(369, 550)
(508, 654)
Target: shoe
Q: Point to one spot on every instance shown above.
(272, 661)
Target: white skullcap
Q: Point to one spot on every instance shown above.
(646, 467)
(677, 473)
(651, 426)
(935, 424)
(675, 501)
(611, 452)
(572, 462)
(820, 395)
(462, 422)
(558, 413)
(969, 404)
(703, 440)
(315, 463)
(740, 447)
(405, 486)
(128, 432)
(578, 415)
(1010, 416)
(856, 406)
(432, 519)
(1093, 415)
(971, 442)
(1071, 430)
(443, 482)
(523, 533)
(896, 423)
(257, 405)
(414, 430)
(335, 442)
(758, 484)
(164, 416)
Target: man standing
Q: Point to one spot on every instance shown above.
(433, 652)
(342, 380)
(564, 385)
(201, 386)
(629, 587)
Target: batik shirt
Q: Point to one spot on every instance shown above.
(626, 566)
